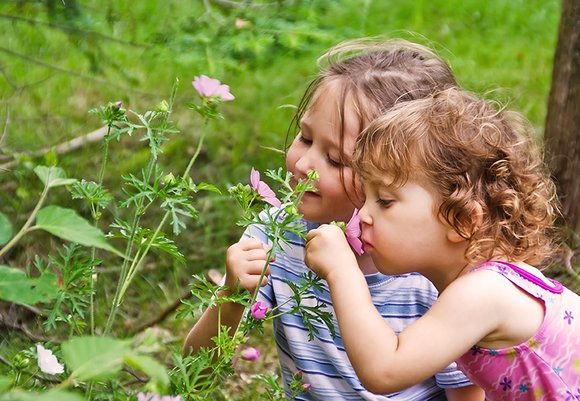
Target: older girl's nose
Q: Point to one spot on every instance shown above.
(304, 163)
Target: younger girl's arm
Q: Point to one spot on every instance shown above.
(383, 361)
(244, 263)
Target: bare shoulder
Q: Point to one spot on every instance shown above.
(479, 295)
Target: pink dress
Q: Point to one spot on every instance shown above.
(544, 368)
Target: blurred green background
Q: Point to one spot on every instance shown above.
(61, 58)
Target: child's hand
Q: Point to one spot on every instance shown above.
(245, 261)
(327, 247)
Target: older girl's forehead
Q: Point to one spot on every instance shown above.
(339, 110)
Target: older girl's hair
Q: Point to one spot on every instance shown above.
(477, 159)
(373, 74)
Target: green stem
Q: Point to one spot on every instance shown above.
(128, 273)
(128, 250)
(27, 224)
(137, 262)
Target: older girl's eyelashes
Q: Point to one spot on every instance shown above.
(333, 162)
(304, 140)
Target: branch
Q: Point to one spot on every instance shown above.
(164, 313)
(24, 329)
(215, 276)
(63, 148)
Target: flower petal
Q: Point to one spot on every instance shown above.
(223, 91)
(255, 179)
(267, 194)
(259, 310)
(356, 244)
(353, 232)
(47, 362)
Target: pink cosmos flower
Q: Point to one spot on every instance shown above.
(306, 386)
(259, 310)
(251, 354)
(156, 397)
(209, 87)
(263, 189)
(353, 233)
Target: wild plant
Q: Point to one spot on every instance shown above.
(98, 361)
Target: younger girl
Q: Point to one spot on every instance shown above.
(456, 191)
(342, 100)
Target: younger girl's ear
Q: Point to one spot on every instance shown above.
(476, 216)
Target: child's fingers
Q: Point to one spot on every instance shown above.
(247, 243)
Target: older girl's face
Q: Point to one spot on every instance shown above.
(317, 147)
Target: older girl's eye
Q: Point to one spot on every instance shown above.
(333, 162)
(385, 203)
(304, 140)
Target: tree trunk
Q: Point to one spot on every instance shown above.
(562, 131)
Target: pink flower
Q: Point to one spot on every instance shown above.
(259, 310)
(306, 386)
(263, 189)
(156, 397)
(209, 87)
(251, 354)
(353, 232)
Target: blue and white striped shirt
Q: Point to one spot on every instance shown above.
(323, 360)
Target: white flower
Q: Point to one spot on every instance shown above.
(47, 362)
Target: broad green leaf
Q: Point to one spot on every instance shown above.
(5, 383)
(151, 367)
(67, 224)
(53, 176)
(5, 229)
(16, 287)
(95, 358)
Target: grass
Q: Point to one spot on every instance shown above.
(56, 65)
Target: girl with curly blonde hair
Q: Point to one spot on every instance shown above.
(456, 189)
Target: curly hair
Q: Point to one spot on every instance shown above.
(481, 162)
(373, 74)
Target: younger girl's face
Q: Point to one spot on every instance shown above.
(403, 231)
(317, 147)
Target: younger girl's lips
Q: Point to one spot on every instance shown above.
(367, 247)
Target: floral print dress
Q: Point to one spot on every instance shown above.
(547, 366)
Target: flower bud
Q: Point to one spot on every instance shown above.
(251, 354)
(259, 310)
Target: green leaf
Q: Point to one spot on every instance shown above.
(51, 395)
(151, 367)
(68, 225)
(53, 176)
(16, 287)
(5, 229)
(202, 186)
(5, 383)
(95, 358)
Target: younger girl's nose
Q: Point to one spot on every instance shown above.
(364, 215)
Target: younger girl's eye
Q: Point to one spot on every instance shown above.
(385, 203)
